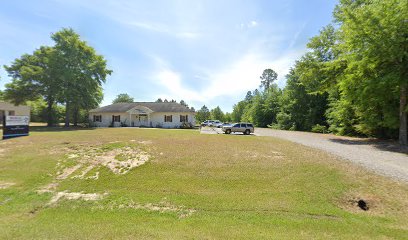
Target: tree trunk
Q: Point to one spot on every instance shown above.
(75, 117)
(403, 115)
(50, 120)
(67, 115)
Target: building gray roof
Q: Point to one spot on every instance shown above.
(154, 106)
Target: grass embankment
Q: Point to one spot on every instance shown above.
(192, 186)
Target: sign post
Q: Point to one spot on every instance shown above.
(15, 126)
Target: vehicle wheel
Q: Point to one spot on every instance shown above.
(247, 132)
(228, 131)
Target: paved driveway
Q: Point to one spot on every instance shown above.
(382, 157)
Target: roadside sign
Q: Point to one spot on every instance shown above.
(15, 126)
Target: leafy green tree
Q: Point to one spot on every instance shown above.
(248, 97)
(34, 76)
(238, 111)
(203, 114)
(1, 95)
(271, 105)
(39, 111)
(227, 117)
(267, 78)
(70, 73)
(159, 100)
(81, 71)
(123, 98)
(182, 102)
(374, 42)
(217, 114)
(300, 110)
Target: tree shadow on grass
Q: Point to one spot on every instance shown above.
(383, 145)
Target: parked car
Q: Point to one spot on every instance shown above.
(245, 128)
(225, 124)
(215, 123)
(211, 123)
(206, 123)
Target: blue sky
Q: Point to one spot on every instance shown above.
(203, 51)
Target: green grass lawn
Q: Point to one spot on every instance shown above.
(192, 187)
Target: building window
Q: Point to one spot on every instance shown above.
(12, 113)
(168, 118)
(97, 118)
(183, 118)
(116, 118)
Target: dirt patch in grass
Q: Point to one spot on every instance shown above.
(76, 196)
(256, 154)
(68, 171)
(122, 160)
(2, 151)
(118, 157)
(4, 185)
(145, 142)
(359, 203)
(49, 188)
(365, 201)
(163, 207)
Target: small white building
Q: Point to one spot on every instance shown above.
(9, 109)
(143, 114)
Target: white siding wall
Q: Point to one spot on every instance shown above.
(18, 110)
(107, 119)
(156, 119)
(6, 108)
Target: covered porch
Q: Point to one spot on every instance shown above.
(139, 117)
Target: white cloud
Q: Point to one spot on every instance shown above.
(163, 29)
(250, 24)
(296, 36)
(188, 35)
(232, 82)
(171, 80)
(243, 75)
(253, 24)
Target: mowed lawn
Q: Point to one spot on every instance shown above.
(192, 187)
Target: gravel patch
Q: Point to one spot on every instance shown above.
(384, 158)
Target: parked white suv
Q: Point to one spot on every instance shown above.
(245, 128)
(206, 122)
(211, 123)
(216, 123)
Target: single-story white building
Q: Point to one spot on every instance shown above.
(142, 114)
(9, 109)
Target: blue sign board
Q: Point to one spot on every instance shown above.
(15, 126)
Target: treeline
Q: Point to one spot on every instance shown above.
(215, 114)
(126, 98)
(352, 81)
(59, 82)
